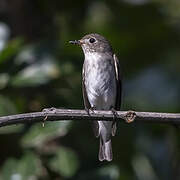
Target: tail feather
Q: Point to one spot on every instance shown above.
(105, 150)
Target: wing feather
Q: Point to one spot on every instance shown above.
(118, 90)
(118, 82)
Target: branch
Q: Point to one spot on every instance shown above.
(53, 114)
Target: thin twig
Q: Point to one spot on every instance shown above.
(53, 114)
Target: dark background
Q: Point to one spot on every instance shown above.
(39, 69)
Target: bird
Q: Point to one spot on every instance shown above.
(101, 86)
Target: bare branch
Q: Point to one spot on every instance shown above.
(53, 114)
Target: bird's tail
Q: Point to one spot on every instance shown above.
(105, 150)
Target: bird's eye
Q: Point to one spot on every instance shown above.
(92, 40)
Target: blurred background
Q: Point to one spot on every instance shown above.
(39, 69)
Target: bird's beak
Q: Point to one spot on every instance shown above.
(78, 42)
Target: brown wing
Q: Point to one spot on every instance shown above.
(87, 105)
(118, 91)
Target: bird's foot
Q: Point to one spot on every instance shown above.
(115, 114)
(114, 124)
(90, 110)
(130, 116)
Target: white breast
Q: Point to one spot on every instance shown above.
(100, 81)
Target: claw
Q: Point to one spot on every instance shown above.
(115, 114)
(87, 110)
(90, 109)
(114, 124)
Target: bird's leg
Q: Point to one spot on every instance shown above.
(115, 114)
(114, 124)
(90, 109)
(87, 110)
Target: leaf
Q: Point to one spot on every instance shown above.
(26, 168)
(39, 134)
(11, 129)
(36, 74)
(6, 106)
(65, 162)
(11, 49)
(4, 78)
(109, 172)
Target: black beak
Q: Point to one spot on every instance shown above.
(75, 42)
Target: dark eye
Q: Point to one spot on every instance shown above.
(91, 40)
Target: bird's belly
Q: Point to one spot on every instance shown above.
(101, 89)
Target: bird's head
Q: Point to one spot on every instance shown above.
(93, 43)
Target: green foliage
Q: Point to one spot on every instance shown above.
(11, 49)
(36, 74)
(65, 162)
(40, 69)
(39, 135)
(6, 106)
(25, 168)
